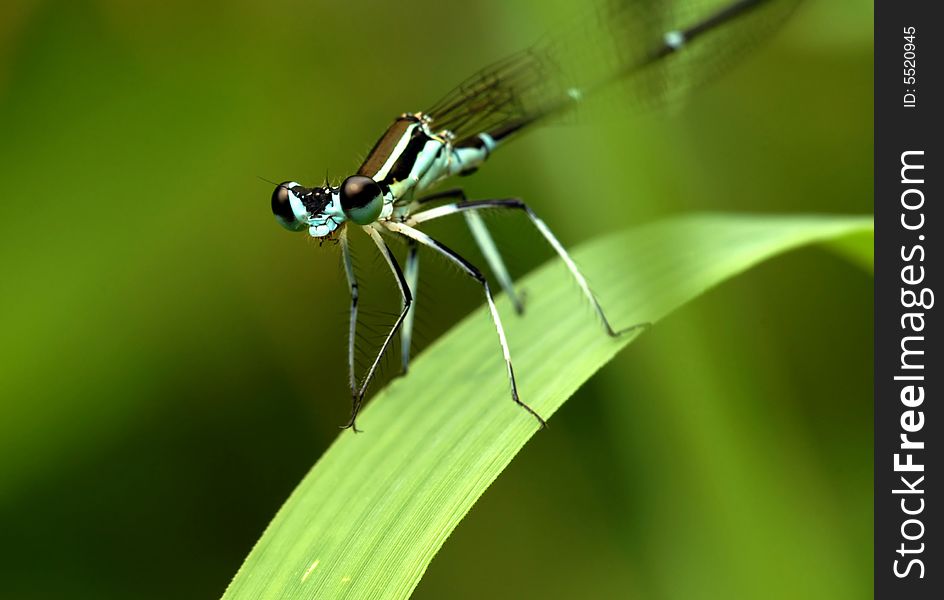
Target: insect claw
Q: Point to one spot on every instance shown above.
(621, 332)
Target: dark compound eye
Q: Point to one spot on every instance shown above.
(361, 199)
(282, 208)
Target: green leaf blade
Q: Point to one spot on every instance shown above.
(372, 513)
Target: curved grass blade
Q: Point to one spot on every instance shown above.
(372, 513)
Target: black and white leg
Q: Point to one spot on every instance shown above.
(516, 204)
(407, 301)
(412, 273)
(485, 242)
(470, 269)
(352, 284)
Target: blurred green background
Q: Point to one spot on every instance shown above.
(160, 395)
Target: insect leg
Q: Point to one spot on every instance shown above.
(516, 204)
(352, 283)
(470, 270)
(412, 275)
(490, 251)
(407, 301)
(485, 243)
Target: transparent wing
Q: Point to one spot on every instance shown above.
(619, 41)
(503, 93)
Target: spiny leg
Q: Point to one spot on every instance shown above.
(412, 273)
(516, 204)
(352, 284)
(475, 274)
(485, 242)
(407, 301)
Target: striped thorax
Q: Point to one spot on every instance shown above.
(408, 159)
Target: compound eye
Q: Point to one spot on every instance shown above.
(282, 207)
(361, 199)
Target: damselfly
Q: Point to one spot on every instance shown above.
(659, 51)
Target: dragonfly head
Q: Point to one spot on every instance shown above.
(318, 208)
